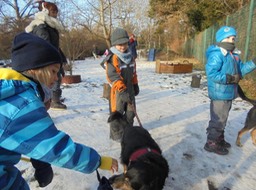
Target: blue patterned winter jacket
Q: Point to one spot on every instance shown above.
(219, 63)
(27, 129)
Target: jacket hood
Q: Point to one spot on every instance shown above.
(211, 49)
(42, 17)
(13, 83)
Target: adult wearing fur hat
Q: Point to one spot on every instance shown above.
(46, 26)
(35, 64)
(224, 70)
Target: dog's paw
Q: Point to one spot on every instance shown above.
(238, 143)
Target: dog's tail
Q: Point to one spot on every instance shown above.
(244, 97)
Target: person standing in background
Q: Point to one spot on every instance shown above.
(47, 26)
(224, 70)
(133, 46)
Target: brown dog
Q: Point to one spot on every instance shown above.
(144, 166)
(250, 122)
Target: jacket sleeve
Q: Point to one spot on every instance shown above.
(33, 133)
(113, 73)
(246, 67)
(213, 68)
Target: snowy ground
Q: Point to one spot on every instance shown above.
(175, 114)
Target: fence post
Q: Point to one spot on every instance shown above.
(249, 27)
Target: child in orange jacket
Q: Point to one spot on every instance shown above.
(121, 74)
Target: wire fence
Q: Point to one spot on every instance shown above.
(245, 23)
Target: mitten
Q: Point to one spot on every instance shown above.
(125, 97)
(136, 89)
(43, 172)
(105, 163)
(233, 79)
(108, 163)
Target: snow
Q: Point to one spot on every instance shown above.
(175, 114)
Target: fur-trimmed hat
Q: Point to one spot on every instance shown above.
(225, 32)
(32, 52)
(119, 36)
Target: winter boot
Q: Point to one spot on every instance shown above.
(213, 146)
(222, 142)
(58, 106)
(56, 101)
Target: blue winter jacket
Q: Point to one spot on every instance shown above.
(26, 128)
(219, 63)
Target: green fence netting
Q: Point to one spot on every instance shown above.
(245, 23)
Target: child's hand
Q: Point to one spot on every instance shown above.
(114, 167)
(108, 163)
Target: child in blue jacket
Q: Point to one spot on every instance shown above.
(26, 128)
(224, 69)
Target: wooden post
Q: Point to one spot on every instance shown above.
(158, 66)
(106, 91)
(195, 83)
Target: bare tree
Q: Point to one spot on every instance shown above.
(16, 13)
(74, 45)
(95, 16)
(14, 16)
(101, 16)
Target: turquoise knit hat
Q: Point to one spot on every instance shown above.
(225, 32)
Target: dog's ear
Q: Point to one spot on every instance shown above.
(115, 115)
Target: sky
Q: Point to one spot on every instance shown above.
(174, 113)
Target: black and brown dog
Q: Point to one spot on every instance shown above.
(250, 122)
(144, 166)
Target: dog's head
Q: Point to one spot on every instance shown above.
(118, 123)
(147, 173)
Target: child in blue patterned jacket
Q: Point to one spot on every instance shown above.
(26, 128)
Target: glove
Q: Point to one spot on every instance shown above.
(233, 79)
(136, 89)
(125, 97)
(108, 163)
(43, 172)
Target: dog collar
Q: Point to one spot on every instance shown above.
(141, 152)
